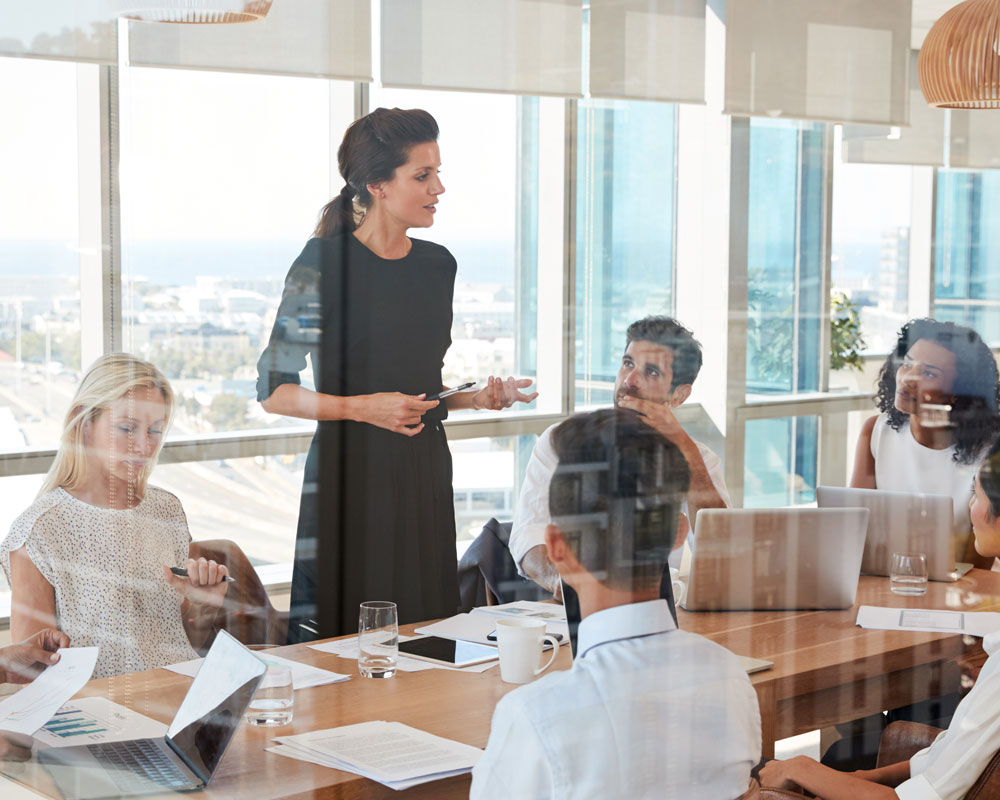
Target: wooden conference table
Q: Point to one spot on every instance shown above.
(826, 670)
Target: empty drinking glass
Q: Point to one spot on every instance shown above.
(908, 574)
(378, 639)
(272, 703)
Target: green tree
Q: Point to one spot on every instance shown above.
(846, 341)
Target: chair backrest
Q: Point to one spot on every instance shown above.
(987, 785)
(487, 572)
(246, 613)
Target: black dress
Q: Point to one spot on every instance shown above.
(377, 517)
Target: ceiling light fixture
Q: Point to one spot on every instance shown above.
(196, 12)
(959, 64)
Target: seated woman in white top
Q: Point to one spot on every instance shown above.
(91, 555)
(951, 765)
(913, 446)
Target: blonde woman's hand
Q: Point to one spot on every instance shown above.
(499, 393)
(205, 582)
(394, 411)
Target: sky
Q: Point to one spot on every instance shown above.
(207, 155)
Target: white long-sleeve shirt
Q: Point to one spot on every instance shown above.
(947, 769)
(532, 513)
(646, 711)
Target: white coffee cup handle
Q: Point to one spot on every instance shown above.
(555, 652)
(677, 586)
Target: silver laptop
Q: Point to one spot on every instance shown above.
(186, 758)
(899, 522)
(776, 558)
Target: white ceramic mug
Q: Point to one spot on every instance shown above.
(678, 585)
(520, 642)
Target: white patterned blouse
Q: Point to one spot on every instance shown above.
(106, 567)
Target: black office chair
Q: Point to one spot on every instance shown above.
(487, 574)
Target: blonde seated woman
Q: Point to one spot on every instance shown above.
(91, 555)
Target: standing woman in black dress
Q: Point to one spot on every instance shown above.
(373, 310)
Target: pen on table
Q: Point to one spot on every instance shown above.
(180, 572)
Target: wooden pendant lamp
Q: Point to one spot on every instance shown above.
(959, 64)
(194, 12)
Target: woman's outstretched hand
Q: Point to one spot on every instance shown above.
(499, 393)
(394, 411)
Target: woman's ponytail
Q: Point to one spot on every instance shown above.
(337, 216)
(373, 147)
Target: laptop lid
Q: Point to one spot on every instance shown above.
(900, 522)
(769, 559)
(214, 706)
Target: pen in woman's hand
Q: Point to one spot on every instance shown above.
(180, 572)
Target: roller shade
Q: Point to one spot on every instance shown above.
(921, 143)
(843, 61)
(648, 49)
(70, 30)
(528, 47)
(975, 139)
(314, 38)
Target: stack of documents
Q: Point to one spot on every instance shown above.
(391, 753)
(31, 707)
(475, 626)
(973, 623)
(303, 676)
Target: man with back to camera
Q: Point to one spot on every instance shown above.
(646, 710)
(660, 363)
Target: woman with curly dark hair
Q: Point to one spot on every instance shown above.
(938, 395)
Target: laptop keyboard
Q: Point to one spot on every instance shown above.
(133, 765)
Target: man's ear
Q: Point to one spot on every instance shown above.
(680, 394)
(555, 544)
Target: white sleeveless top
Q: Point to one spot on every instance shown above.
(106, 567)
(904, 465)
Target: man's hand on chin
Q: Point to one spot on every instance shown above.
(658, 415)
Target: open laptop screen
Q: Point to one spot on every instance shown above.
(215, 704)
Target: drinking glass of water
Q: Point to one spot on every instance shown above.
(908, 574)
(272, 703)
(378, 639)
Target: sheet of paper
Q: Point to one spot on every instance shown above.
(973, 623)
(348, 648)
(9, 790)
(97, 719)
(475, 627)
(388, 752)
(525, 608)
(303, 675)
(28, 709)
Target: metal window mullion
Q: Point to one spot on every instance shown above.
(568, 404)
(112, 220)
(736, 362)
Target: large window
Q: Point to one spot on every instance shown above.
(625, 212)
(966, 250)
(871, 246)
(40, 248)
(222, 179)
(785, 268)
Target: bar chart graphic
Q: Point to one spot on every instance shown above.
(97, 719)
